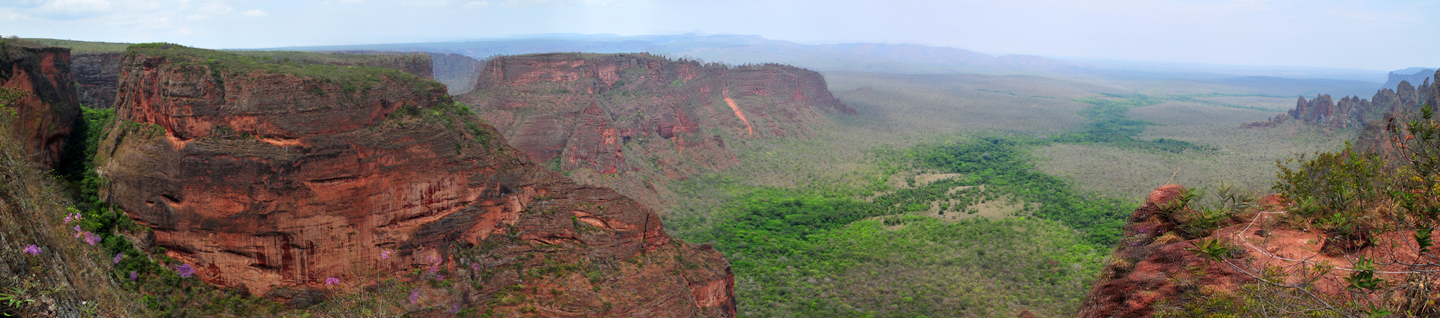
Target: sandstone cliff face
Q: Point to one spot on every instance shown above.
(95, 78)
(43, 120)
(642, 118)
(96, 74)
(275, 181)
(1355, 112)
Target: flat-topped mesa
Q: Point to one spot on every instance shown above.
(274, 177)
(43, 119)
(641, 116)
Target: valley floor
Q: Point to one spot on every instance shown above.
(863, 219)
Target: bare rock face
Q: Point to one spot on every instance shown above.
(644, 118)
(1148, 268)
(274, 179)
(95, 77)
(44, 119)
(96, 74)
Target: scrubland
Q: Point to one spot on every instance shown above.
(839, 224)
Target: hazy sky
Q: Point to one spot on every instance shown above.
(1376, 35)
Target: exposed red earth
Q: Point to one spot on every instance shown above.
(643, 118)
(275, 182)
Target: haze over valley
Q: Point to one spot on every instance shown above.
(752, 159)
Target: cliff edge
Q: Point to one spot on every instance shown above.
(282, 178)
(43, 118)
(641, 118)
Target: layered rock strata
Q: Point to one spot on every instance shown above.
(644, 119)
(43, 119)
(275, 179)
(95, 77)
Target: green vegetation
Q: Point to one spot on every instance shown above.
(223, 64)
(1357, 200)
(810, 251)
(47, 263)
(77, 47)
(103, 273)
(1109, 125)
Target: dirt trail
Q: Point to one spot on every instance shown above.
(739, 114)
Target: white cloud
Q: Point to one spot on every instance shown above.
(72, 9)
(256, 13)
(475, 5)
(184, 31)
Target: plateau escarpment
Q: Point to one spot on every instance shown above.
(644, 118)
(44, 116)
(96, 72)
(275, 177)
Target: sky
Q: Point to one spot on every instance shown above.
(1370, 35)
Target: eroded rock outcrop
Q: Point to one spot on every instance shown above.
(1151, 264)
(1154, 269)
(44, 118)
(274, 179)
(642, 118)
(1356, 112)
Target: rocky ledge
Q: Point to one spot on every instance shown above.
(276, 177)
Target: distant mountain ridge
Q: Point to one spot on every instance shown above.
(1351, 111)
(743, 49)
(1414, 75)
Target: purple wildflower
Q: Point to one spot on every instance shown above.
(73, 217)
(78, 231)
(414, 296)
(32, 249)
(440, 277)
(434, 268)
(67, 219)
(185, 270)
(454, 308)
(475, 266)
(91, 238)
(331, 281)
(134, 276)
(385, 254)
(118, 256)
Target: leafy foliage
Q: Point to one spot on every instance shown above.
(808, 251)
(339, 69)
(1109, 125)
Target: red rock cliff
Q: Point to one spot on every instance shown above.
(273, 182)
(641, 117)
(44, 118)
